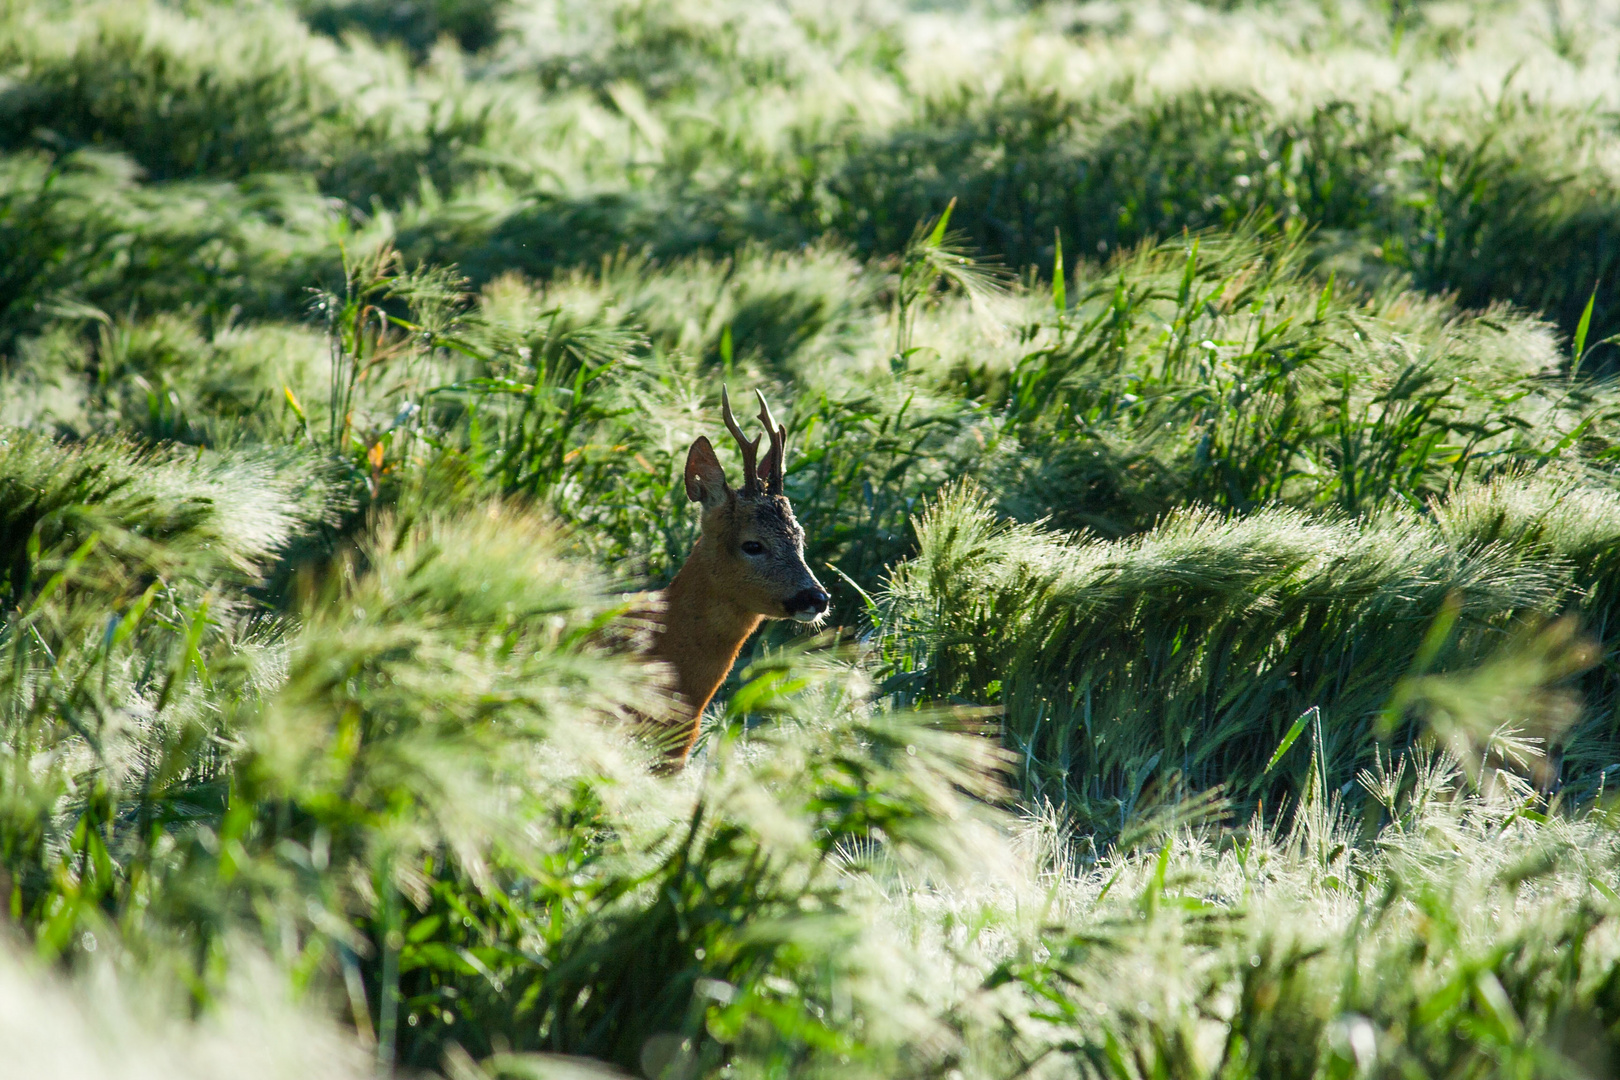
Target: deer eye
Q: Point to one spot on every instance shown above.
(753, 547)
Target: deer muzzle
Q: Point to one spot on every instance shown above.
(807, 605)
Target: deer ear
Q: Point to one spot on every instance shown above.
(705, 480)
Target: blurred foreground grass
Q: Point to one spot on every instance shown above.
(1224, 679)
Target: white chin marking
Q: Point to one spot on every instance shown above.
(805, 616)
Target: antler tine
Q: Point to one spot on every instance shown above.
(776, 458)
(750, 450)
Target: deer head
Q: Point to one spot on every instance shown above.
(755, 544)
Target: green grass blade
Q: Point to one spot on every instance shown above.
(1289, 739)
(1579, 352)
(872, 611)
(1060, 296)
(937, 237)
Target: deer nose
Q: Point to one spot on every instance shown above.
(807, 604)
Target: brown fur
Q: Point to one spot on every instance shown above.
(724, 591)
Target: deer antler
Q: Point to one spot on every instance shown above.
(776, 457)
(750, 450)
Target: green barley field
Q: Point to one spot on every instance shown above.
(1204, 415)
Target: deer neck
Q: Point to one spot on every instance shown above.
(703, 629)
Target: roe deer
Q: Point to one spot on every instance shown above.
(746, 566)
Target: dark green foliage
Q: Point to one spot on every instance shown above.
(119, 517)
(417, 25)
(133, 82)
(1404, 992)
(1494, 200)
(1454, 215)
(1189, 651)
(735, 939)
(1221, 675)
(124, 618)
(80, 230)
(1215, 372)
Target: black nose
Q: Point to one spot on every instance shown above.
(814, 600)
